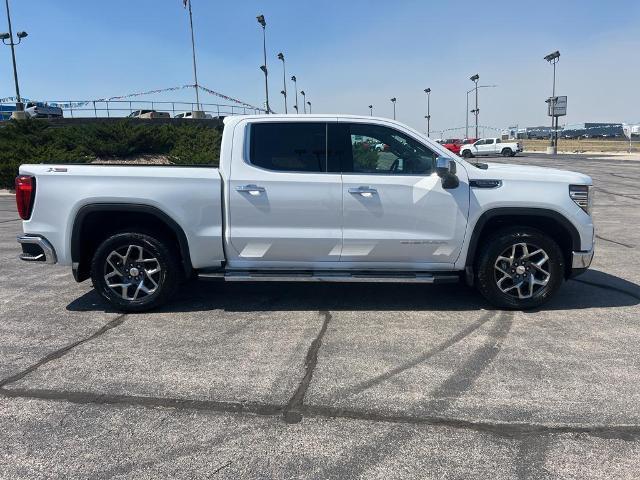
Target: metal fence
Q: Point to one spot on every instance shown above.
(123, 108)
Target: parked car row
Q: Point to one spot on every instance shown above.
(156, 114)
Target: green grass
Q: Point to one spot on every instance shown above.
(37, 141)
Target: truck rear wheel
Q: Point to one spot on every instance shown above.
(135, 272)
(507, 152)
(519, 268)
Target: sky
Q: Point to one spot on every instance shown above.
(346, 54)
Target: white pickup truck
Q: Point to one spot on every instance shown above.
(490, 146)
(311, 198)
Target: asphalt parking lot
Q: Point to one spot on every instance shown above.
(329, 381)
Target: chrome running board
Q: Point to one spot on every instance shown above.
(330, 276)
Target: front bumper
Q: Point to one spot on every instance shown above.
(36, 249)
(580, 262)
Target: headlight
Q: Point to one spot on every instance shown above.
(582, 196)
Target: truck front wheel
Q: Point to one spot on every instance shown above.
(519, 268)
(467, 154)
(135, 272)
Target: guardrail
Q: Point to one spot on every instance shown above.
(123, 108)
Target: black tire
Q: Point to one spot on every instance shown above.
(157, 254)
(507, 152)
(466, 154)
(490, 270)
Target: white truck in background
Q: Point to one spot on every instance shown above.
(490, 146)
(311, 198)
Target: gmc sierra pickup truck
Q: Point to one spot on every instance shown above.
(310, 198)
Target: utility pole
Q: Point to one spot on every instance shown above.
(263, 23)
(428, 117)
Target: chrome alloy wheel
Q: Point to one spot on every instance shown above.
(521, 270)
(132, 273)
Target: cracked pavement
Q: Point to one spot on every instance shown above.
(328, 380)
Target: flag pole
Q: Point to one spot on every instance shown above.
(193, 49)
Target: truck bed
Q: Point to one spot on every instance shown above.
(190, 196)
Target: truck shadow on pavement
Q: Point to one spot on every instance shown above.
(594, 289)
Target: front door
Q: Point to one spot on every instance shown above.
(396, 213)
(284, 209)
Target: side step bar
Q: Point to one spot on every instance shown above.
(330, 276)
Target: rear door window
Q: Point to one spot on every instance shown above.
(289, 146)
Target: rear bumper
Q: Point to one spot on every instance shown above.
(36, 249)
(580, 262)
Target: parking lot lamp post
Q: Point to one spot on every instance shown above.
(309, 103)
(476, 111)
(263, 67)
(371, 110)
(284, 81)
(393, 100)
(553, 58)
(295, 86)
(12, 44)
(428, 116)
(304, 98)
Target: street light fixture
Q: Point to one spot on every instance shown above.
(12, 44)
(553, 58)
(263, 67)
(309, 103)
(284, 81)
(428, 116)
(371, 110)
(304, 105)
(476, 111)
(393, 100)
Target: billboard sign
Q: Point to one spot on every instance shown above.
(557, 108)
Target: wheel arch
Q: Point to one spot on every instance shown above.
(551, 222)
(83, 242)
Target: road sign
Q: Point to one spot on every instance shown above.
(557, 108)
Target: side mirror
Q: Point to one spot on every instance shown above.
(446, 170)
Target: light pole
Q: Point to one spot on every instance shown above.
(393, 100)
(284, 81)
(304, 104)
(309, 103)
(12, 44)
(371, 110)
(295, 86)
(476, 111)
(553, 58)
(466, 133)
(428, 116)
(263, 23)
(193, 54)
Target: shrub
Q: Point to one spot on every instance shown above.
(38, 141)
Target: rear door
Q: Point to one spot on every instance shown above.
(396, 213)
(284, 207)
(489, 146)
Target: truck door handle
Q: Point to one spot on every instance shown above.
(364, 191)
(254, 190)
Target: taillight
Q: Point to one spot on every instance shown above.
(25, 193)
